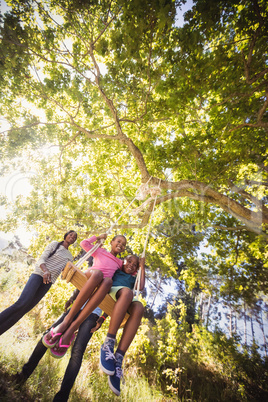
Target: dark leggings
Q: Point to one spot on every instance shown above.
(31, 295)
(75, 361)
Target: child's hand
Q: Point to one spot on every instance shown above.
(71, 300)
(68, 304)
(98, 325)
(102, 236)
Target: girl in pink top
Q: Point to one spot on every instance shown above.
(99, 275)
(104, 260)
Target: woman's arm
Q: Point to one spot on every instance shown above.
(47, 274)
(43, 259)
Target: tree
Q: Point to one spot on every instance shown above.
(127, 98)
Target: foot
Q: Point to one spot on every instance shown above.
(107, 360)
(51, 338)
(114, 380)
(60, 349)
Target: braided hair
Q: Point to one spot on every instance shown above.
(115, 237)
(60, 243)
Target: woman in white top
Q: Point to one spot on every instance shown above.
(47, 269)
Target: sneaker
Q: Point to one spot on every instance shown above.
(107, 359)
(114, 380)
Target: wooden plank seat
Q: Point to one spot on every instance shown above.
(74, 275)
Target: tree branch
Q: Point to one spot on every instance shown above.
(263, 108)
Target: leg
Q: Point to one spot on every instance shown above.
(95, 277)
(124, 300)
(32, 293)
(93, 302)
(136, 312)
(75, 361)
(35, 357)
(38, 353)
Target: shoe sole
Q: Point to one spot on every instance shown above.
(59, 356)
(50, 345)
(108, 372)
(115, 391)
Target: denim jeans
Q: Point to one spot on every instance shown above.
(38, 352)
(75, 361)
(31, 295)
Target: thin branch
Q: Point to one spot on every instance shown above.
(257, 125)
(259, 204)
(105, 28)
(229, 228)
(34, 125)
(91, 134)
(116, 178)
(263, 108)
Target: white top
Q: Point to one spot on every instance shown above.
(54, 264)
(97, 310)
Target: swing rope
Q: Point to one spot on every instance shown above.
(157, 191)
(140, 194)
(73, 274)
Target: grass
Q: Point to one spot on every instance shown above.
(90, 385)
(212, 370)
(17, 344)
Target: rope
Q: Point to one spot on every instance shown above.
(156, 191)
(89, 253)
(141, 192)
(153, 191)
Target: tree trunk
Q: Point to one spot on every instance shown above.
(260, 321)
(201, 307)
(245, 325)
(156, 293)
(235, 323)
(231, 322)
(252, 329)
(208, 310)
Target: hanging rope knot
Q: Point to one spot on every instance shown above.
(155, 191)
(143, 191)
(137, 210)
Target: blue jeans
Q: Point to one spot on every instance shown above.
(31, 295)
(75, 361)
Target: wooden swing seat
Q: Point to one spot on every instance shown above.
(74, 275)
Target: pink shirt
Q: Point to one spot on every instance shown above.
(103, 260)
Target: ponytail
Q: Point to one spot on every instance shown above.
(54, 251)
